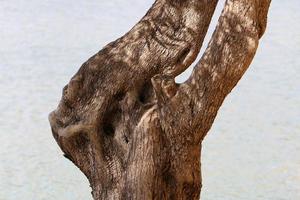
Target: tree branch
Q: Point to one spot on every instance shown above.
(229, 54)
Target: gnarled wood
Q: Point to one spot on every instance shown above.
(128, 126)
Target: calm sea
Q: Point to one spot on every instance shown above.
(251, 153)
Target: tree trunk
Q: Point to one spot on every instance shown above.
(128, 126)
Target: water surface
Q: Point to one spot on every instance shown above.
(252, 151)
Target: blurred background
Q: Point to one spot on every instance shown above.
(252, 151)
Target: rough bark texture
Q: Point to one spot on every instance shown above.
(128, 126)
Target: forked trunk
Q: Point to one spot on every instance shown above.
(128, 126)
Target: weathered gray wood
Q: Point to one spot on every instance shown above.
(128, 126)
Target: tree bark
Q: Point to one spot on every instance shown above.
(128, 126)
